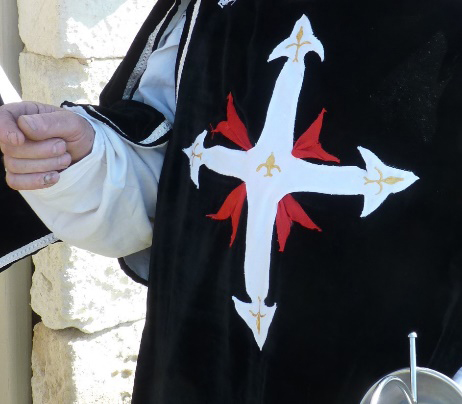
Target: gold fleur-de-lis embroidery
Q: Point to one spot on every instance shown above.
(194, 155)
(258, 315)
(381, 181)
(299, 43)
(269, 165)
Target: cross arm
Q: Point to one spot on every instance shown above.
(219, 159)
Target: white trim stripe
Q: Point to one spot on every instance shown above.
(143, 60)
(160, 131)
(27, 250)
(186, 46)
(114, 126)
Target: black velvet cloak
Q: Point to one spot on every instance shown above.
(353, 278)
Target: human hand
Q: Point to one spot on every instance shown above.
(38, 141)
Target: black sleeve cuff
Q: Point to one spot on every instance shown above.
(137, 122)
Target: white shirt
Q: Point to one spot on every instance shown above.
(116, 184)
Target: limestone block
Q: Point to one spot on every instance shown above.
(70, 367)
(52, 81)
(75, 288)
(81, 29)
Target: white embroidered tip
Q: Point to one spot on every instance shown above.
(301, 41)
(381, 180)
(257, 316)
(195, 156)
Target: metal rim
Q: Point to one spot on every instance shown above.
(420, 370)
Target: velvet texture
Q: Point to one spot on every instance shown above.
(20, 225)
(347, 296)
(133, 120)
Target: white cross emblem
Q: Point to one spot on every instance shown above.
(272, 170)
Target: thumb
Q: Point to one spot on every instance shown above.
(72, 128)
(10, 133)
(58, 124)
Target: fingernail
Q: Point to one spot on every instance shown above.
(50, 179)
(13, 138)
(64, 160)
(30, 121)
(59, 147)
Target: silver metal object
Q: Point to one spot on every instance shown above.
(433, 388)
(413, 356)
(378, 391)
(414, 385)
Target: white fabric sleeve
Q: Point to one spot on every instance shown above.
(105, 203)
(157, 85)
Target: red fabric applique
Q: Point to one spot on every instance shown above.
(289, 210)
(308, 146)
(232, 207)
(233, 128)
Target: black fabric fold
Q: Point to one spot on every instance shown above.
(132, 120)
(21, 227)
(131, 273)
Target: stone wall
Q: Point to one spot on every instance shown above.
(82, 41)
(15, 312)
(10, 43)
(85, 348)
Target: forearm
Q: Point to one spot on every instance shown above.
(105, 203)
